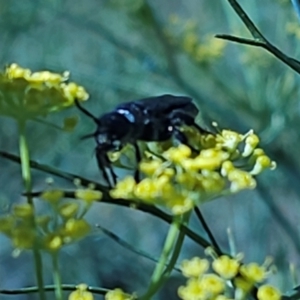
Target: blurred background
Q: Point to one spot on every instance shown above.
(121, 50)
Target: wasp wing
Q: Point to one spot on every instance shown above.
(165, 104)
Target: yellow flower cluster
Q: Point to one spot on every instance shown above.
(213, 286)
(180, 178)
(202, 50)
(25, 94)
(63, 224)
(81, 293)
(118, 294)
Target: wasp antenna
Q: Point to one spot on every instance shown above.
(87, 136)
(86, 112)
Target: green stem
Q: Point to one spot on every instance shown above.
(173, 241)
(176, 252)
(56, 277)
(26, 175)
(25, 164)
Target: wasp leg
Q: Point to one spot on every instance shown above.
(138, 159)
(104, 174)
(104, 166)
(178, 135)
(112, 173)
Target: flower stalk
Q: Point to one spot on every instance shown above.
(169, 255)
(56, 277)
(26, 175)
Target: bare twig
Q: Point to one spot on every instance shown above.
(106, 197)
(51, 288)
(128, 246)
(207, 229)
(259, 40)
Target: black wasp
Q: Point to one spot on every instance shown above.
(153, 119)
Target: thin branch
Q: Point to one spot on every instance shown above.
(51, 288)
(128, 246)
(207, 229)
(240, 40)
(106, 197)
(56, 172)
(150, 209)
(247, 21)
(259, 39)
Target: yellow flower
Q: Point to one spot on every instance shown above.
(146, 190)
(227, 167)
(48, 78)
(149, 167)
(177, 154)
(75, 229)
(209, 159)
(88, 195)
(251, 143)
(68, 210)
(226, 267)
(242, 287)
(180, 204)
(253, 272)
(183, 179)
(228, 140)
(81, 293)
(211, 182)
(73, 91)
(118, 294)
(194, 267)
(169, 172)
(124, 188)
(192, 291)
(23, 237)
(186, 180)
(161, 181)
(24, 210)
(263, 162)
(53, 242)
(212, 284)
(26, 95)
(53, 196)
(268, 292)
(241, 180)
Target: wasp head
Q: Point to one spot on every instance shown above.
(112, 132)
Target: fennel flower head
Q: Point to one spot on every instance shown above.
(25, 94)
(179, 177)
